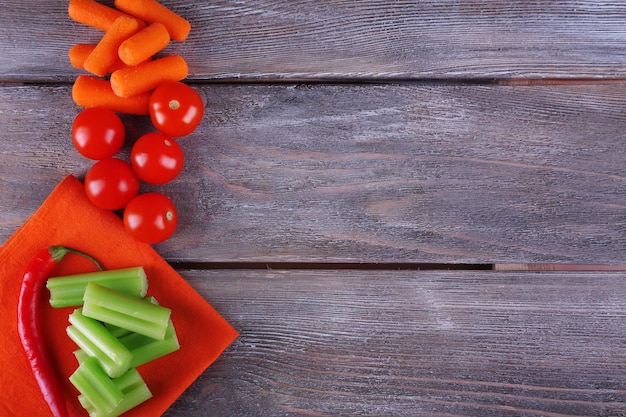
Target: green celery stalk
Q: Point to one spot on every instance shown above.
(123, 310)
(80, 355)
(96, 386)
(69, 290)
(116, 331)
(134, 390)
(96, 341)
(145, 349)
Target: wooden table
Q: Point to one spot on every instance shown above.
(406, 208)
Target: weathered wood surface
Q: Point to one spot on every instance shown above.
(365, 173)
(371, 343)
(345, 40)
(347, 189)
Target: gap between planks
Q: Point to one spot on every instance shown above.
(393, 266)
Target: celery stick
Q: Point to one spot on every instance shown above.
(96, 341)
(145, 349)
(118, 331)
(122, 310)
(134, 390)
(88, 406)
(92, 382)
(68, 291)
(80, 355)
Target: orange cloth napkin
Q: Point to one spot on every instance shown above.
(67, 218)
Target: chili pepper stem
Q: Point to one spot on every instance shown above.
(58, 252)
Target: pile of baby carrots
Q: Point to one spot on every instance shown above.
(134, 32)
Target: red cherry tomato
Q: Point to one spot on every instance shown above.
(150, 217)
(175, 108)
(156, 158)
(111, 183)
(98, 133)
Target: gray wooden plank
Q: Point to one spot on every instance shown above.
(365, 173)
(414, 343)
(268, 40)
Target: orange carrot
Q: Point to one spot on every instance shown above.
(143, 44)
(79, 53)
(145, 77)
(152, 11)
(94, 14)
(102, 59)
(91, 91)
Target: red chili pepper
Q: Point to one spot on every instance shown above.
(28, 327)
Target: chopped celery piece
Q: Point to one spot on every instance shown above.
(134, 390)
(118, 331)
(145, 349)
(93, 383)
(80, 355)
(123, 310)
(68, 291)
(93, 338)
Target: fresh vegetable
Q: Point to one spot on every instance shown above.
(144, 44)
(156, 158)
(150, 217)
(94, 14)
(111, 184)
(145, 349)
(105, 55)
(96, 386)
(28, 325)
(151, 11)
(98, 133)
(123, 310)
(96, 340)
(69, 290)
(78, 54)
(145, 77)
(91, 91)
(175, 108)
(134, 391)
(105, 348)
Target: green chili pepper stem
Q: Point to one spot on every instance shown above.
(58, 252)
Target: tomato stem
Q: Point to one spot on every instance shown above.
(174, 104)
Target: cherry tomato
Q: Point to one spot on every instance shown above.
(98, 133)
(150, 217)
(111, 183)
(175, 108)
(156, 158)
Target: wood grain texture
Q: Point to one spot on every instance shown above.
(400, 151)
(330, 39)
(365, 173)
(355, 343)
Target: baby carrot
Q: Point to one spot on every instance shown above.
(102, 59)
(79, 53)
(143, 44)
(152, 11)
(94, 14)
(91, 91)
(145, 77)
